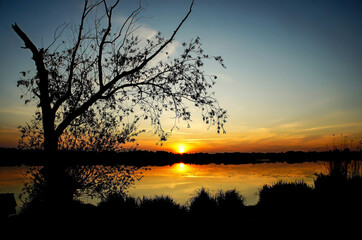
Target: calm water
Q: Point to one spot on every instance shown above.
(180, 181)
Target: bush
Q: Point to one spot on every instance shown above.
(159, 205)
(118, 202)
(230, 201)
(202, 203)
(283, 194)
(224, 203)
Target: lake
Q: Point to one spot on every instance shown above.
(180, 180)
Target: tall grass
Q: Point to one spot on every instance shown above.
(340, 183)
(343, 169)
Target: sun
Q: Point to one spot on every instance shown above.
(181, 149)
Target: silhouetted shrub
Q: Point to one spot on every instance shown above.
(117, 202)
(223, 210)
(202, 203)
(229, 201)
(159, 203)
(283, 194)
(286, 204)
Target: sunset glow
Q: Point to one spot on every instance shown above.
(181, 149)
(292, 80)
(175, 115)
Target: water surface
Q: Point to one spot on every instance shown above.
(180, 181)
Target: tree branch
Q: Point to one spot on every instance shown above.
(99, 95)
(147, 60)
(38, 59)
(103, 42)
(167, 42)
(56, 36)
(28, 43)
(86, 10)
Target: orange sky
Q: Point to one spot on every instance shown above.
(277, 139)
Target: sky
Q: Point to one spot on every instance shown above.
(293, 77)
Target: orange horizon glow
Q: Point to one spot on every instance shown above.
(261, 140)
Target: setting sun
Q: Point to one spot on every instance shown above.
(181, 149)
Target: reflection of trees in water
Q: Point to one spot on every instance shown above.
(63, 185)
(344, 169)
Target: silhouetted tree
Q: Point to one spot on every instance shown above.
(87, 84)
(75, 182)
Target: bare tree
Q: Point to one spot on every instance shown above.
(87, 84)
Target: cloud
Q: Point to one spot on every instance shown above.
(17, 111)
(146, 33)
(225, 78)
(170, 185)
(9, 137)
(344, 125)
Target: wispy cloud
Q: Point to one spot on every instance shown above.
(147, 33)
(144, 33)
(17, 111)
(225, 78)
(344, 125)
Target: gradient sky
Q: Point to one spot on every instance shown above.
(293, 76)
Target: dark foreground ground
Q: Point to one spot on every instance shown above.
(293, 208)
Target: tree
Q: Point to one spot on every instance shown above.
(87, 86)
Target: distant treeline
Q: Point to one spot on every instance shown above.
(13, 157)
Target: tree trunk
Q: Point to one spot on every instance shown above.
(50, 136)
(50, 139)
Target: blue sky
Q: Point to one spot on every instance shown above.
(293, 76)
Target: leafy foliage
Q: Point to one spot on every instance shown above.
(88, 84)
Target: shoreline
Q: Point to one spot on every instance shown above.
(16, 157)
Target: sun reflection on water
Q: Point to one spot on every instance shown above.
(181, 168)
